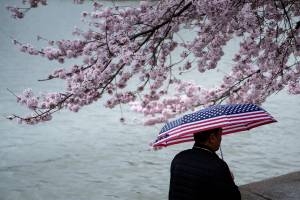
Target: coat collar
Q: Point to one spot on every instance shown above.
(203, 147)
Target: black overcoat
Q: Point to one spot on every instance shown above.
(199, 174)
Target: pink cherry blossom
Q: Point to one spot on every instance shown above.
(127, 55)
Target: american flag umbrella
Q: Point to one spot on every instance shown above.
(231, 118)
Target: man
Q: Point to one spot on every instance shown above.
(199, 173)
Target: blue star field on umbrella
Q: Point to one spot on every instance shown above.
(171, 125)
(211, 112)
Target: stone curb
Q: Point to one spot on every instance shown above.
(285, 187)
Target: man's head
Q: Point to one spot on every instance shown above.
(210, 138)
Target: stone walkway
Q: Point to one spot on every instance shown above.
(286, 187)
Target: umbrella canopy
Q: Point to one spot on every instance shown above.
(231, 118)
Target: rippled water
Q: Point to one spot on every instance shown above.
(90, 155)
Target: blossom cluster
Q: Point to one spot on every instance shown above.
(18, 12)
(126, 54)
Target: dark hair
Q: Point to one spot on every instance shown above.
(202, 137)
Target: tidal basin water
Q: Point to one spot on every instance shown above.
(91, 155)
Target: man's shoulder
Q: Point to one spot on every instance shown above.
(198, 156)
(183, 154)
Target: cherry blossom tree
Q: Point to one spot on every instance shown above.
(123, 44)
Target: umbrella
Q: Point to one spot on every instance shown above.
(231, 118)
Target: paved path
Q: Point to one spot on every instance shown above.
(286, 187)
